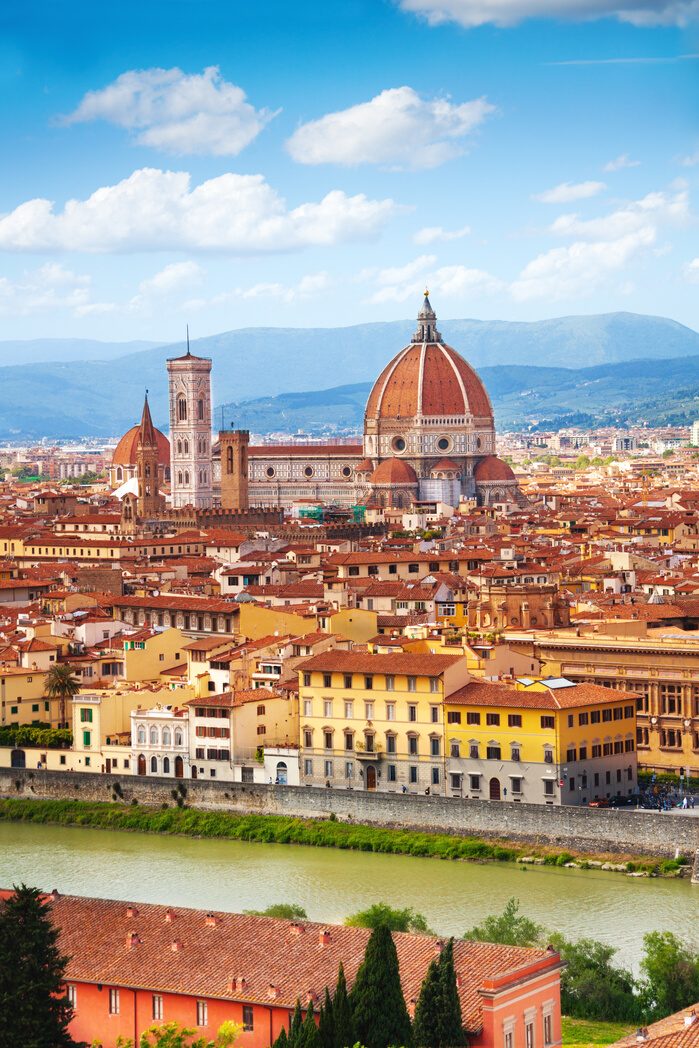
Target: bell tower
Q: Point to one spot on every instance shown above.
(191, 469)
(234, 468)
(150, 504)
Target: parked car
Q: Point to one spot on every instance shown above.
(622, 802)
(599, 802)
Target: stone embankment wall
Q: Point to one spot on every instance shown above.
(585, 829)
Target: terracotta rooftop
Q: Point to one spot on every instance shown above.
(400, 662)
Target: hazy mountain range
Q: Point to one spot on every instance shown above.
(597, 365)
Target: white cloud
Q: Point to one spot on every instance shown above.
(175, 279)
(308, 287)
(470, 13)
(156, 210)
(620, 162)
(48, 288)
(430, 234)
(568, 191)
(603, 248)
(176, 113)
(396, 128)
(690, 161)
(400, 283)
(691, 271)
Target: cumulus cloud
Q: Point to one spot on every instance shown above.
(156, 210)
(603, 247)
(431, 234)
(470, 13)
(308, 287)
(690, 161)
(176, 113)
(400, 283)
(48, 288)
(568, 191)
(620, 162)
(396, 128)
(176, 279)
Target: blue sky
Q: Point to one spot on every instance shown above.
(232, 165)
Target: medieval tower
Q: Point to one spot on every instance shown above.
(150, 503)
(234, 468)
(190, 431)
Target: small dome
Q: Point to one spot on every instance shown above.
(365, 466)
(446, 463)
(125, 451)
(493, 468)
(394, 471)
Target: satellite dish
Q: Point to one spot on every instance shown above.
(156, 593)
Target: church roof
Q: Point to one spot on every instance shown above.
(125, 451)
(493, 468)
(146, 432)
(446, 463)
(394, 471)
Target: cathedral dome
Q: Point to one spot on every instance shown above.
(394, 471)
(428, 378)
(125, 451)
(492, 468)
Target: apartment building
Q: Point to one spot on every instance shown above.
(371, 721)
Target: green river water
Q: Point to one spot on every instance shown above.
(329, 884)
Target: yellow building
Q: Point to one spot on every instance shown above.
(22, 699)
(373, 721)
(144, 654)
(543, 742)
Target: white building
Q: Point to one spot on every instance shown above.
(191, 468)
(695, 434)
(160, 742)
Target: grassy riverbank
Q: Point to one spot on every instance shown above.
(582, 1033)
(319, 833)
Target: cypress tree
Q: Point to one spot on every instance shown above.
(295, 1025)
(342, 1014)
(450, 1029)
(34, 1008)
(378, 1006)
(326, 1025)
(308, 1037)
(427, 1021)
(282, 1040)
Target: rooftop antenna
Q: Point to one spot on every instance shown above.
(188, 353)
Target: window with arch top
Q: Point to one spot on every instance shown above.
(181, 409)
(229, 461)
(200, 408)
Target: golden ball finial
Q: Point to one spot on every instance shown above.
(426, 293)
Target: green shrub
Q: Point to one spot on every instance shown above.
(134, 802)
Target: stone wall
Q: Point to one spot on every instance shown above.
(586, 829)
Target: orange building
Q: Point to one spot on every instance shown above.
(133, 965)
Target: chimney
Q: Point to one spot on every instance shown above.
(310, 997)
(132, 939)
(177, 945)
(211, 920)
(296, 928)
(131, 911)
(641, 1034)
(324, 937)
(412, 1004)
(169, 914)
(439, 946)
(690, 1018)
(54, 895)
(273, 991)
(459, 980)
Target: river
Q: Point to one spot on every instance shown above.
(329, 884)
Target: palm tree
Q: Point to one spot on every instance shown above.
(60, 683)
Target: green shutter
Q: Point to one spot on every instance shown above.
(86, 739)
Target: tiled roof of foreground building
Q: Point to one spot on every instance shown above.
(271, 960)
(680, 1030)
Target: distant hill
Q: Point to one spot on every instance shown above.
(39, 350)
(102, 394)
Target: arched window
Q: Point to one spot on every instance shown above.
(141, 735)
(154, 736)
(166, 736)
(182, 409)
(205, 476)
(146, 470)
(186, 447)
(201, 408)
(120, 473)
(154, 764)
(186, 477)
(179, 447)
(166, 766)
(178, 738)
(166, 473)
(229, 460)
(179, 477)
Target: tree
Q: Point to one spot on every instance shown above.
(326, 1025)
(591, 986)
(378, 1006)
(582, 462)
(289, 911)
(667, 454)
(671, 971)
(308, 1036)
(60, 683)
(451, 1030)
(342, 1014)
(34, 1009)
(295, 1025)
(426, 1021)
(172, 1035)
(396, 920)
(508, 928)
(282, 1040)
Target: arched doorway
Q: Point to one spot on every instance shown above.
(194, 773)
(281, 773)
(141, 765)
(18, 759)
(495, 789)
(179, 768)
(371, 777)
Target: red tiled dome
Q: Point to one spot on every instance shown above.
(428, 379)
(365, 466)
(394, 471)
(446, 463)
(125, 452)
(493, 468)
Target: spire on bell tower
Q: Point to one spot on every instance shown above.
(427, 323)
(146, 431)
